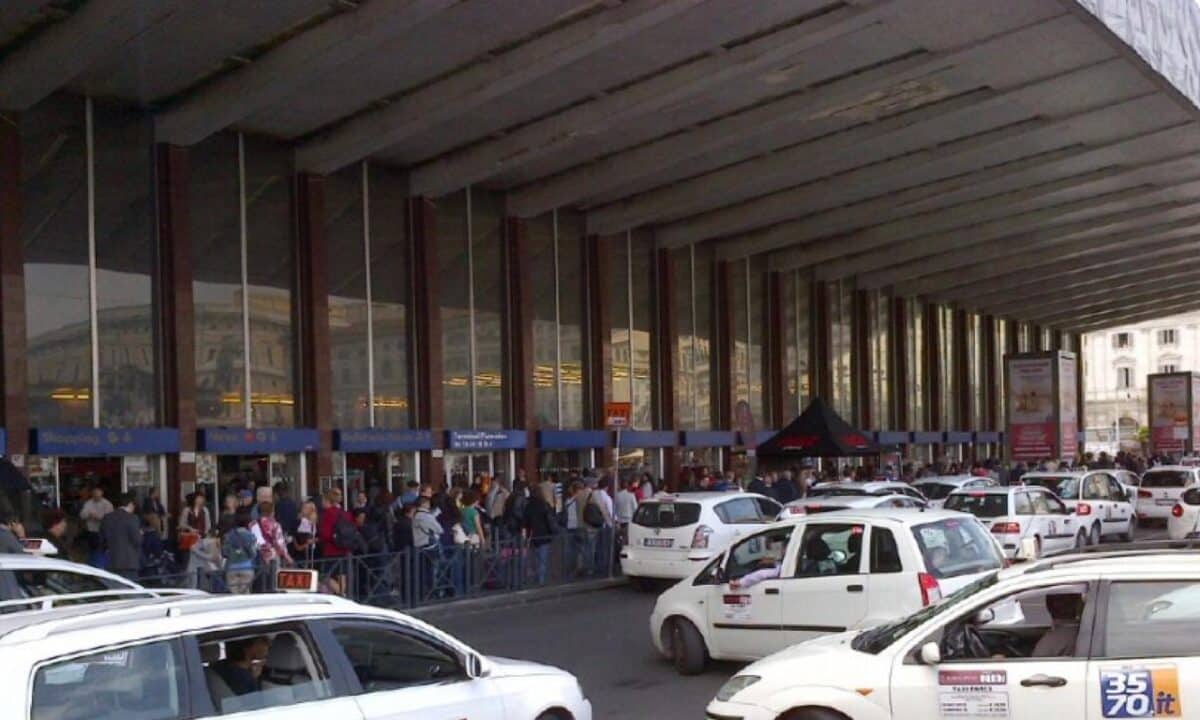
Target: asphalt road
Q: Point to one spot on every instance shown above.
(603, 639)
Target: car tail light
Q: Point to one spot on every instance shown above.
(1006, 528)
(1083, 509)
(793, 510)
(931, 592)
(1177, 511)
(700, 537)
(1145, 494)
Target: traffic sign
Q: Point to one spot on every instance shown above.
(617, 414)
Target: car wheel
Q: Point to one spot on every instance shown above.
(1127, 536)
(687, 648)
(555, 715)
(1080, 540)
(813, 714)
(1094, 535)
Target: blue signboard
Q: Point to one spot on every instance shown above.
(888, 437)
(103, 441)
(762, 436)
(705, 438)
(572, 439)
(926, 438)
(987, 437)
(956, 437)
(381, 440)
(647, 438)
(3, 441)
(242, 441)
(485, 439)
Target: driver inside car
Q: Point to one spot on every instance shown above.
(769, 566)
(1066, 609)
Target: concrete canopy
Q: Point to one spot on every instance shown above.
(1009, 156)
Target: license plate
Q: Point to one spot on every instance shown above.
(658, 542)
(1164, 501)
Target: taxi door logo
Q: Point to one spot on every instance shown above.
(1140, 693)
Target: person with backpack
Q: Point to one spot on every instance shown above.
(337, 537)
(240, 549)
(541, 526)
(512, 517)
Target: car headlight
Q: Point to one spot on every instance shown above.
(735, 685)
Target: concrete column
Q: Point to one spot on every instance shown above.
(991, 373)
(425, 303)
(898, 386)
(176, 316)
(861, 362)
(519, 340)
(15, 397)
(664, 358)
(599, 346)
(316, 403)
(961, 392)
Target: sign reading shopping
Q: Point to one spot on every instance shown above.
(1174, 417)
(1042, 405)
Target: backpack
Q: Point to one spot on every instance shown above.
(514, 512)
(592, 515)
(345, 534)
(240, 547)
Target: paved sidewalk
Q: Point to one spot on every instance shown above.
(511, 599)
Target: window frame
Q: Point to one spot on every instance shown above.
(335, 656)
(787, 550)
(187, 686)
(878, 532)
(1100, 629)
(1016, 503)
(864, 557)
(723, 514)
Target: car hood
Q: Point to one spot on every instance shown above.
(827, 661)
(507, 667)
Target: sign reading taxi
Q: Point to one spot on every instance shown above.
(295, 580)
(617, 415)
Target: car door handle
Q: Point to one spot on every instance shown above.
(854, 588)
(771, 591)
(1044, 681)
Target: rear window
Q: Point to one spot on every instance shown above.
(837, 491)
(935, 491)
(1166, 479)
(143, 682)
(742, 510)
(982, 505)
(954, 547)
(1066, 487)
(655, 514)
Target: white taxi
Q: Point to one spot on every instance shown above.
(816, 575)
(1089, 635)
(831, 503)
(284, 657)
(878, 488)
(1184, 521)
(673, 535)
(1104, 505)
(33, 576)
(937, 489)
(1161, 488)
(1027, 520)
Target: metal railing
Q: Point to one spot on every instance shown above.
(426, 576)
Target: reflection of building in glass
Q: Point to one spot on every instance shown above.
(571, 375)
(348, 339)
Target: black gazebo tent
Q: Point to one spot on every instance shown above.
(819, 432)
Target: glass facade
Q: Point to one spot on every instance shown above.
(642, 274)
(616, 251)
(914, 348)
(879, 312)
(541, 248)
(756, 291)
(947, 346)
(572, 318)
(841, 347)
(1000, 389)
(555, 258)
(685, 333)
(454, 272)
(349, 340)
(975, 366)
(388, 241)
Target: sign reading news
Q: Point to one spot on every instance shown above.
(242, 441)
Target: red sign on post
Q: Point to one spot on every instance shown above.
(617, 414)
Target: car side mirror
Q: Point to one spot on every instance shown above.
(478, 666)
(931, 653)
(984, 616)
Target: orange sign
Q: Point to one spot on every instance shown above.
(617, 414)
(296, 580)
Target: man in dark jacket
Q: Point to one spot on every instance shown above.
(287, 512)
(121, 533)
(10, 532)
(540, 527)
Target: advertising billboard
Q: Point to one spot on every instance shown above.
(1042, 405)
(1173, 412)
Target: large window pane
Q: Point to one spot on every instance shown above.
(880, 371)
(540, 259)
(740, 329)
(270, 269)
(643, 331)
(54, 233)
(1000, 390)
(571, 283)
(684, 350)
(347, 265)
(456, 319)
(796, 310)
(841, 311)
(947, 370)
(915, 366)
(487, 213)
(390, 258)
(704, 316)
(217, 281)
(125, 255)
(617, 301)
(757, 338)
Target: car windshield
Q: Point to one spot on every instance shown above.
(1166, 479)
(935, 490)
(1064, 486)
(984, 505)
(879, 638)
(656, 514)
(955, 547)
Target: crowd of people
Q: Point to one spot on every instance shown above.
(448, 537)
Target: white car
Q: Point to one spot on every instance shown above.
(1104, 505)
(1184, 522)
(673, 535)
(1091, 636)
(316, 657)
(831, 503)
(33, 576)
(878, 488)
(1027, 520)
(937, 489)
(1161, 488)
(816, 575)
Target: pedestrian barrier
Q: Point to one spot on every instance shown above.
(420, 577)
